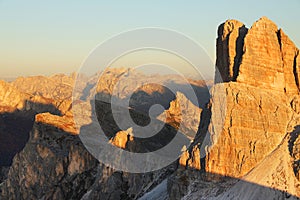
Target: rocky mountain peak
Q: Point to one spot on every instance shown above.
(262, 56)
(254, 104)
(10, 97)
(228, 27)
(229, 49)
(265, 22)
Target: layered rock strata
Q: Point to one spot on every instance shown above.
(252, 114)
(253, 123)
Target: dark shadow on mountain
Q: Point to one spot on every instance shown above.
(239, 44)
(215, 186)
(15, 127)
(107, 122)
(222, 71)
(200, 92)
(225, 187)
(87, 90)
(294, 137)
(140, 103)
(48, 150)
(222, 63)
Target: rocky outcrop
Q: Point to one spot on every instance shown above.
(10, 98)
(247, 124)
(291, 63)
(273, 172)
(53, 165)
(258, 115)
(3, 174)
(263, 56)
(122, 138)
(178, 108)
(294, 150)
(65, 123)
(230, 43)
(191, 159)
(20, 108)
(41, 104)
(254, 109)
(268, 59)
(182, 115)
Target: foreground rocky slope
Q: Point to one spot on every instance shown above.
(53, 165)
(19, 108)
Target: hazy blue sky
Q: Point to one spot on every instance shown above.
(46, 37)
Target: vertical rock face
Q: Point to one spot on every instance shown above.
(294, 150)
(173, 116)
(53, 165)
(247, 124)
(229, 50)
(263, 56)
(17, 111)
(262, 64)
(290, 64)
(253, 113)
(269, 59)
(10, 97)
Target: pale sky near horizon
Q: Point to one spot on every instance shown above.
(47, 37)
